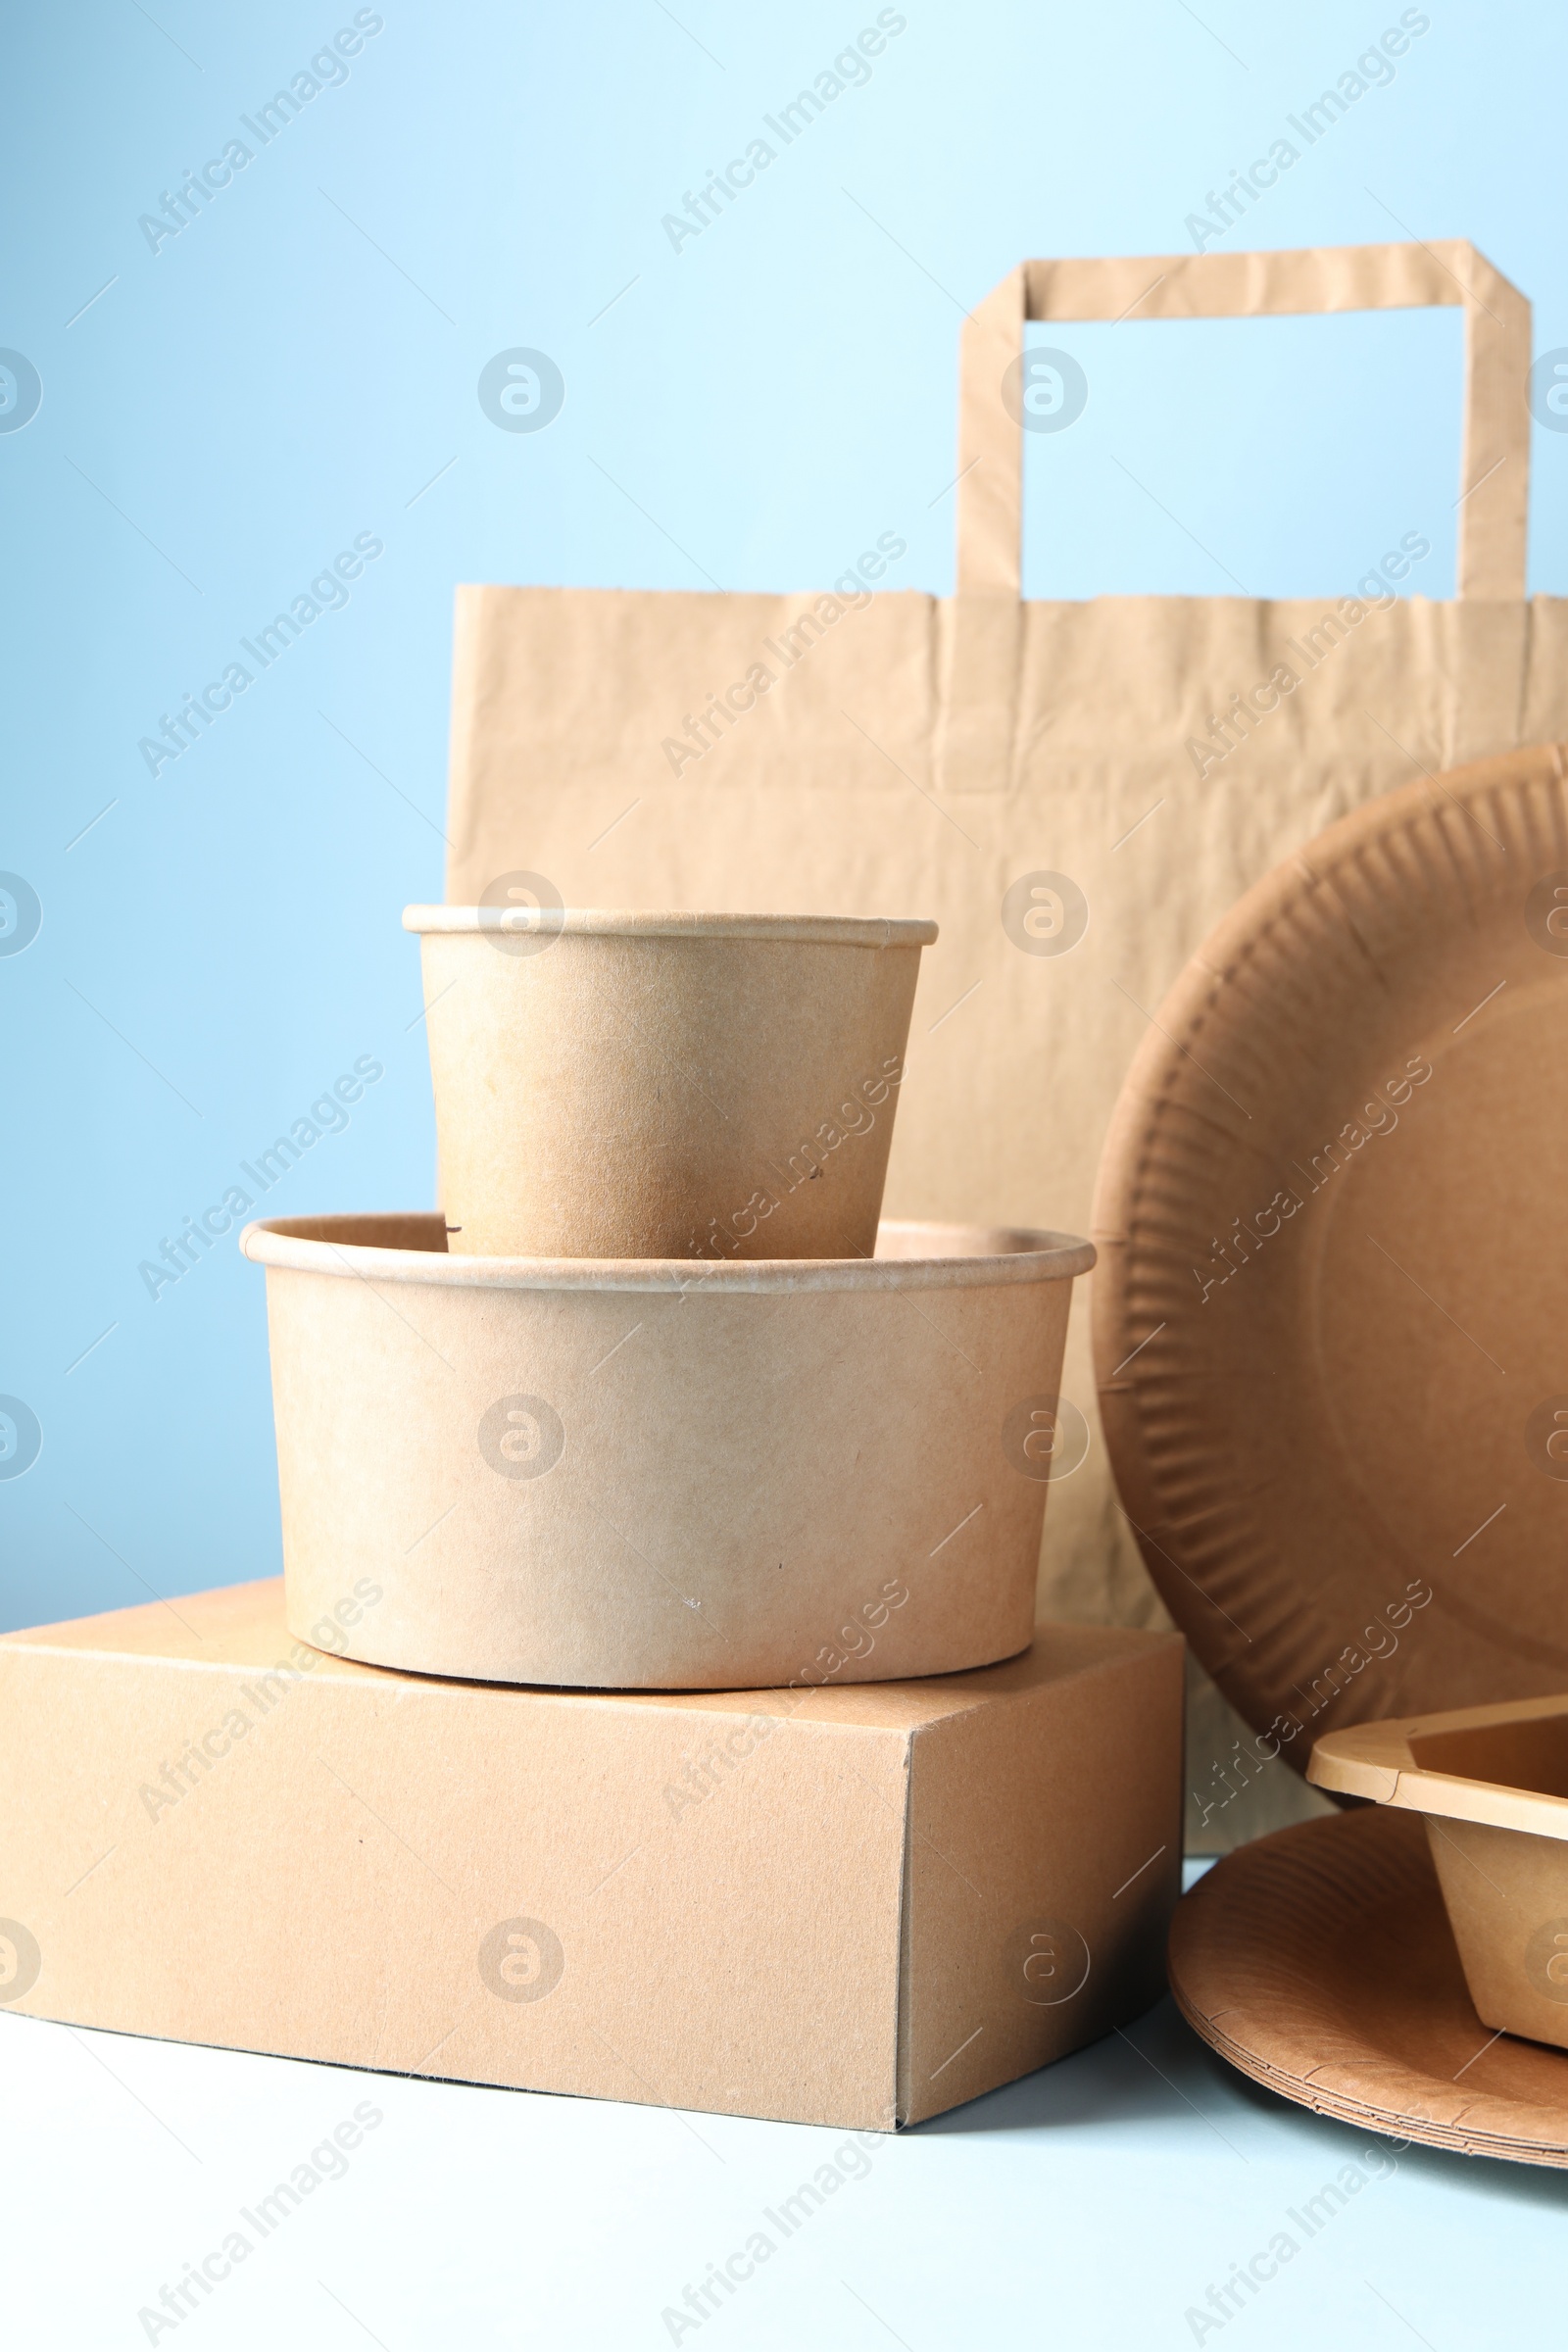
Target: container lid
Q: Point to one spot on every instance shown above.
(618, 923)
(1331, 1316)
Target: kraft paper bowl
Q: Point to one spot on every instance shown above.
(710, 1086)
(661, 1476)
(1492, 1784)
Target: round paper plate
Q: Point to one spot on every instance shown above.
(1319, 1961)
(1331, 1316)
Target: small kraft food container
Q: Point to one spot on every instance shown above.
(612, 1083)
(1493, 1785)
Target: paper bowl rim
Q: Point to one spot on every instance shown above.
(1017, 1254)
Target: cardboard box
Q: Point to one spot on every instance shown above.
(847, 1906)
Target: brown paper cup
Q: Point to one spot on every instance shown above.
(690, 1086)
(662, 1475)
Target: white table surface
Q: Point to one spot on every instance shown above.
(1092, 2205)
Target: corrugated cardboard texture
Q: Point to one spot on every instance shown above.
(1087, 1870)
(211, 1832)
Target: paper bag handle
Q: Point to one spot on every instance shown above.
(1495, 460)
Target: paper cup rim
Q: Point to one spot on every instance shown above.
(324, 1245)
(620, 922)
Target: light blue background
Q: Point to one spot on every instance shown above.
(1088, 2208)
(301, 362)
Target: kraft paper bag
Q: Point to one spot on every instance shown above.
(1076, 790)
